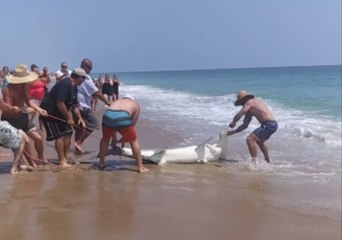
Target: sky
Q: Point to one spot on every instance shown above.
(155, 35)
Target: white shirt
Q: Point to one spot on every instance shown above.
(59, 73)
(85, 92)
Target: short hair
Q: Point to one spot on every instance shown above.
(33, 66)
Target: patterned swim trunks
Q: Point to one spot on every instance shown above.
(10, 137)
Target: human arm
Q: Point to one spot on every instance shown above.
(100, 96)
(238, 116)
(5, 107)
(135, 115)
(64, 110)
(243, 126)
(77, 112)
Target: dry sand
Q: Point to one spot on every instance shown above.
(178, 201)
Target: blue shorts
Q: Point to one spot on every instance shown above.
(266, 130)
(116, 119)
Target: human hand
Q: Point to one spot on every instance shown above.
(29, 110)
(43, 113)
(16, 109)
(70, 121)
(230, 133)
(232, 125)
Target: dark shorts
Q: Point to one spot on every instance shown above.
(55, 128)
(20, 121)
(89, 118)
(266, 130)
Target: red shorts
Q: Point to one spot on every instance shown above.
(128, 133)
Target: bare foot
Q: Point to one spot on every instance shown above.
(65, 165)
(143, 170)
(14, 171)
(26, 168)
(78, 149)
(101, 165)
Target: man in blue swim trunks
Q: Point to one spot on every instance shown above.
(252, 107)
(121, 116)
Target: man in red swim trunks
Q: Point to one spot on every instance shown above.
(121, 117)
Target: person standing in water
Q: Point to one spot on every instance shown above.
(252, 107)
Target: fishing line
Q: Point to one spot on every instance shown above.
(161, 133)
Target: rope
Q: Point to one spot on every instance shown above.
(54, 168)
(76, 126)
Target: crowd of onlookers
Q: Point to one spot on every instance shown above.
(64, 101)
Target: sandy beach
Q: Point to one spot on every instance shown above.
(177, 201)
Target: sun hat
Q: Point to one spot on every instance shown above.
(242, 97)
(22, 74)
(80, 72)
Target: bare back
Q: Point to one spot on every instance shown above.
(259, 110)
(128, 105)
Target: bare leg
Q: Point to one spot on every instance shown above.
(137, 155)
(79, 141)
(251, 142)
(28, 154)
(264, 150)
(102, 154)
(38, 144)
(66, 146)
(18, 153)
(59, 145)
(114, 140)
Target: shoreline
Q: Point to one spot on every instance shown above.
(177, 201)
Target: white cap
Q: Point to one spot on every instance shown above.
(129, 97)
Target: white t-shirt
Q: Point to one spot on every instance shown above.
(59, 73)
(85, 92)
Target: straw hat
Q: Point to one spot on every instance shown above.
(242, 97)
(22, 74)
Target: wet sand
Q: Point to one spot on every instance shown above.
(178, 201)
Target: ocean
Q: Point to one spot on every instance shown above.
(306, 101)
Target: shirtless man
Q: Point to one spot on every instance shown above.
(252, 107)
(16, 94)
(121, 117)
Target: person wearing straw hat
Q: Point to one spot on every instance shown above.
(13, 138)
(252, 107)
(16, 93)
(60, 102)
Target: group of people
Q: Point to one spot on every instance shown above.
(67, 108)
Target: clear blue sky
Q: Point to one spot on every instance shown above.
(136, 35)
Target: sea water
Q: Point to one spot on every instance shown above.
(306, 102)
